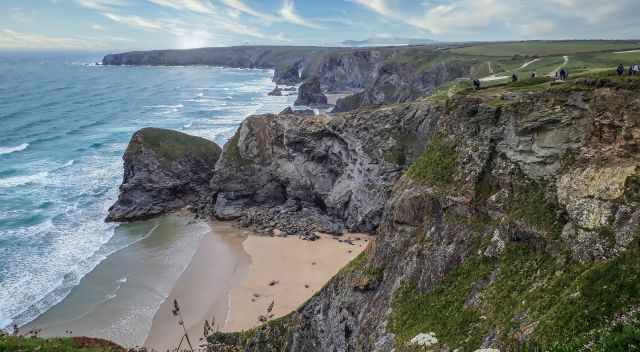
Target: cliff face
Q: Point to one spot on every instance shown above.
(303, 173)
(375, 75)
(286, 61)
(164, 171)
(516, 222)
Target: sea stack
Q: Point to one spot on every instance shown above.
(164, 171)
(310, 93)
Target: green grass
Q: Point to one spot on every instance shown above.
(171, 146)
(545, 48)
(67, 344)
(437, 165)
(563, 302)
(232, 152)
(529, 205)
(442, 310)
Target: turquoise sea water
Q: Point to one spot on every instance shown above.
(64, 125)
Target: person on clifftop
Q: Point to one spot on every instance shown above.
(620, 70)
(476, 84)
(514, 78)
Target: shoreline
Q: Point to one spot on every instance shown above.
(202, 290)
(285, 270)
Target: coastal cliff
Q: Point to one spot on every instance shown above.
(506, 218)
(373, 75)
(164, 171)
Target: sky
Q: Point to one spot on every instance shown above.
(164, 24)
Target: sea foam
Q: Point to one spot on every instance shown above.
(9, 150)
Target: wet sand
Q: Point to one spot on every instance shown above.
(203, 289)
(119, 298)
(286, 271)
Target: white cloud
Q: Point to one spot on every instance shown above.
(97, 27)
(198, 6)
(379, 6)
(593, 11)
(240, 6)
(13, 39)
(101, 5)
(462, 15)
(288, 13)
(135, 21)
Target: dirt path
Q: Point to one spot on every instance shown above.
(553, 73)
(528, 63)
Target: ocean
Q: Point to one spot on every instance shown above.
(65, 123)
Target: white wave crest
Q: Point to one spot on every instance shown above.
(9, 150)
(22, 180)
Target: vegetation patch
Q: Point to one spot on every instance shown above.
(443, 310)
(66, 344)
(170, 146)
(545, 300)
(437, 165)
(232, 152)
(530, 206)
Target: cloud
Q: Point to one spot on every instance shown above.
(135, 21)
(463, 15)
(379, 6)
(288, 13)
(12, 39)
(240, 6)
(97, 27)
(101, 5)
(198, 6)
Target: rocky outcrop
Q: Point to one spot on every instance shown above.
(310, 94)
(164, 171)
(276, 92)
(303, 173)
(516, 223)
(402, 82)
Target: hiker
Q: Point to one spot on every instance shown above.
(630, 70)
(557, 75)
(533, 75)
(620, 70)
(476, 84)
(514, 78)
(563, 75)
(636, 69)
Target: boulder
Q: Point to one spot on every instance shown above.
(310, 93)
(276, 92)
(164, 171)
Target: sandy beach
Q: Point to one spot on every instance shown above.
(286, 271)
(283, 270)
(202, 291)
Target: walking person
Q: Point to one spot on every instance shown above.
(514, 77)
(620, 70)
(563, 74)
